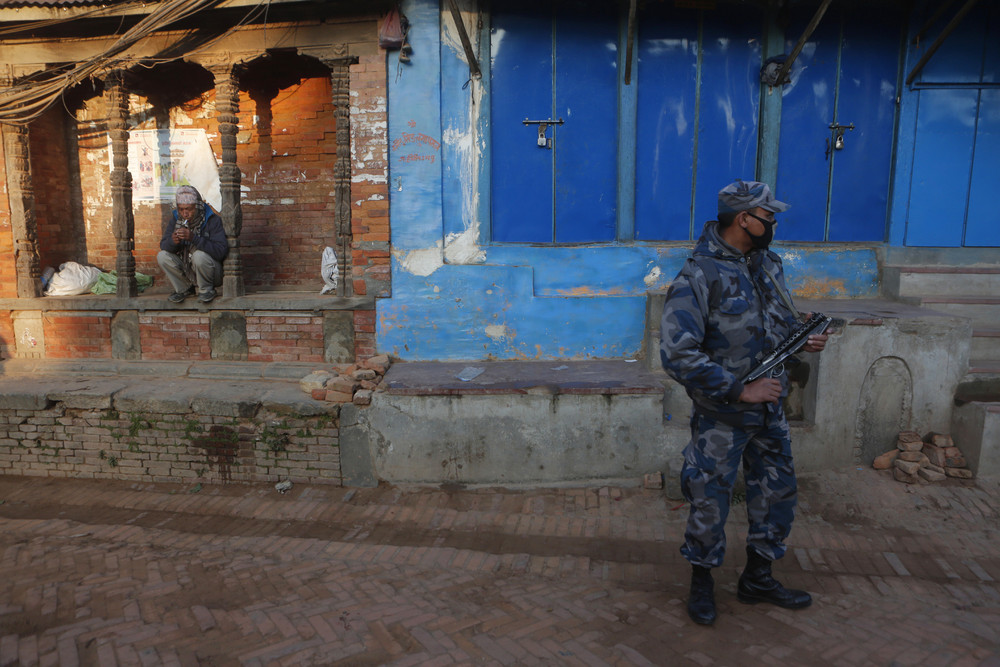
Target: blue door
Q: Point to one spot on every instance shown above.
(956, 153)
(837, 120)
(555, 65)
(698, 104)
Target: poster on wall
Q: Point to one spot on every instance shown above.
(162, 160)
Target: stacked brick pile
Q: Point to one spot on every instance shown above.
(932, 458)
(354, 384)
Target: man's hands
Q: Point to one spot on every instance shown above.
(762, 390)
(181, 234)
(815, 343)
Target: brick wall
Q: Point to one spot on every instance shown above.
(369, 187)
(77, 335)
(284, 338)
(59, 238)
(286, 151)
(287, 155)
(104, 444)
(95, 184)
(171, 336)
(7, 341)
(364, 334)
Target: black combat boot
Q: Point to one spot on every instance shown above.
(701, 602)
(757, 585)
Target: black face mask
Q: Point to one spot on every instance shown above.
(762, 241)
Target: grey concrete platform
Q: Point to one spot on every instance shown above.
(223, 389)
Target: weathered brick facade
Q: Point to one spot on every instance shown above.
(293, 108)
(105, 444)
(77, 335)
(174, 336)
(286, 152)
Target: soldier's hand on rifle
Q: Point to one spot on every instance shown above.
(764, 390)
(815, 343)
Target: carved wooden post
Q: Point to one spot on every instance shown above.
(227, 105)
(22, 210)
(340, 77)
(122, 218)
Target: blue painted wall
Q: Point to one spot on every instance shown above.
(456, 295)
(948, 149)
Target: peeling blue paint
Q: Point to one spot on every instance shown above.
(457, 296)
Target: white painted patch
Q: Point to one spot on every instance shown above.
(497, 42)
(653, 277)
(178, 118)
(420, 262)
(370, 178)
(463, 249)
(286, 201)
(497, 332)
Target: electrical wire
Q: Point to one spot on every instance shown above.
(32, 26)
(26, 101)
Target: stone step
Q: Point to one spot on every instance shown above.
(915, 281)
(985, 343)
(984, 311)
(983, 370)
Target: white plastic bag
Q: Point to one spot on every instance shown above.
(72, 279)
(328, 270)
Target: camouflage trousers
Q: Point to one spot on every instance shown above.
(711, 464)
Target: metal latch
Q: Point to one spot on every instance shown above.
(543, 126)
(838, 139)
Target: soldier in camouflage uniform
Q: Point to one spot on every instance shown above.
(726, 310)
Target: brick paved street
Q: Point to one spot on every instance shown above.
(103, 573)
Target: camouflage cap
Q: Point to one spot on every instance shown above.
(745, 195)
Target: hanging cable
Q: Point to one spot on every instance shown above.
(22, 103)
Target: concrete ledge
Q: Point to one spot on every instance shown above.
(522, 377)
(162, 393)
(278, 301)
(207, 370)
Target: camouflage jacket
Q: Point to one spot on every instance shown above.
(722, 315)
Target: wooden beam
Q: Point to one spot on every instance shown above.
(934, 17)
(817, 17)
(474, 71)
(948, 29)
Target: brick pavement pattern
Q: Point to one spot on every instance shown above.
(116, 573)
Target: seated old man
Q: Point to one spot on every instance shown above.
(193, 247)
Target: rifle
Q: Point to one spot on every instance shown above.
(816, 324)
